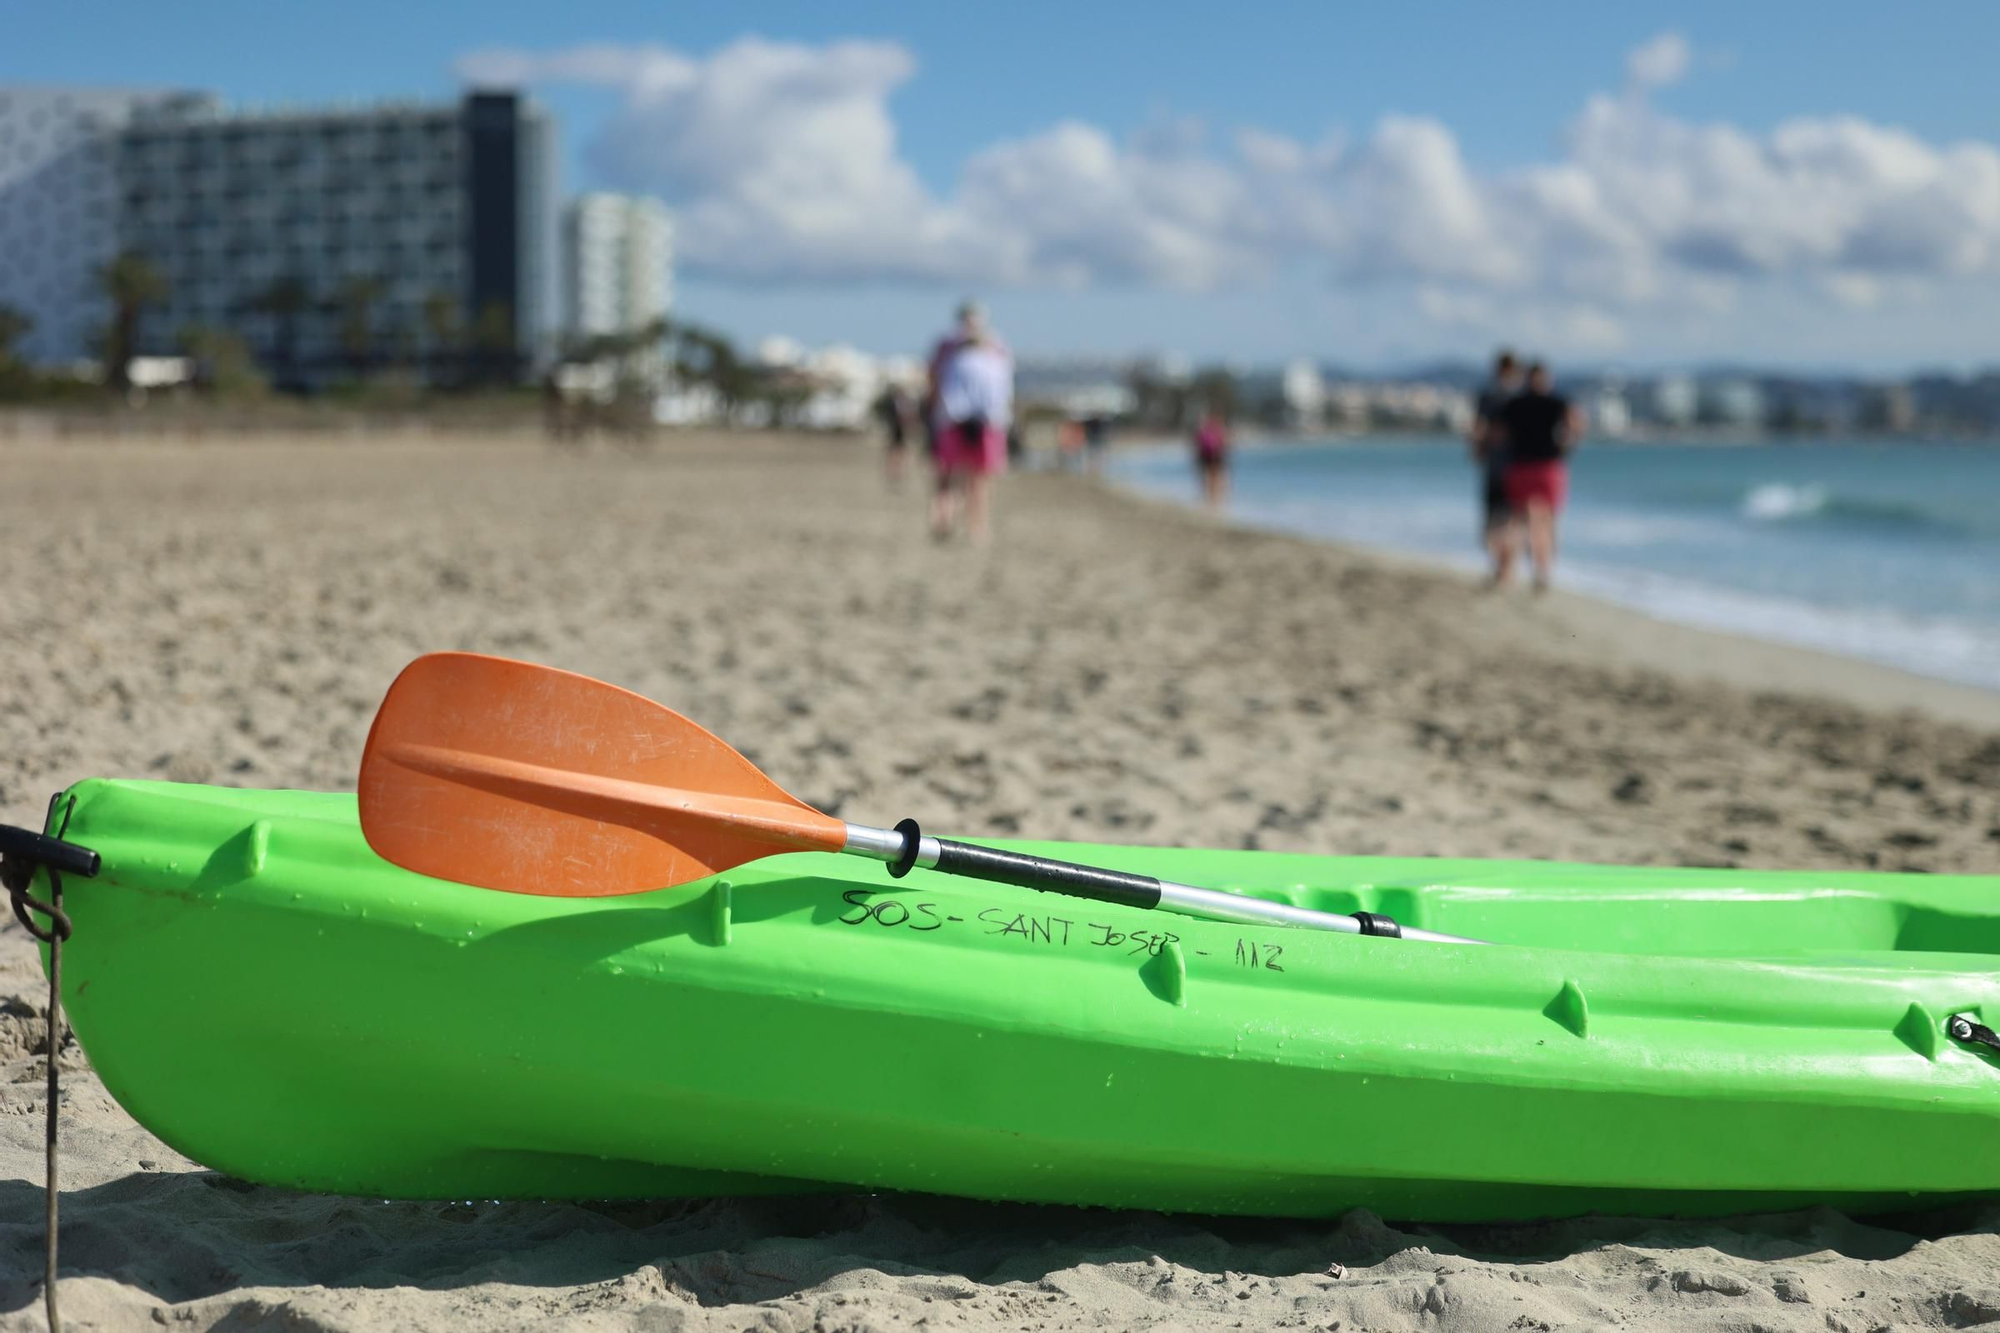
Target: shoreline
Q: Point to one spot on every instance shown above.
(1702, 439)
(1614, 633)
(1614, 630)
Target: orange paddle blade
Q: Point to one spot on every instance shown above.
(513, 776)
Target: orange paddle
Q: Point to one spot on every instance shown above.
(512, 776)
(520, 777)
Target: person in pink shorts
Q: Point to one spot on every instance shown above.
(1211, 458)
(1541, 428)
(972, 375)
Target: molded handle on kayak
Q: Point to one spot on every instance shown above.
(1039, 872)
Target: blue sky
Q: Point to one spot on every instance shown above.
(1361, 183)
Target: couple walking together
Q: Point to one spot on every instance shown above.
(1522, 436)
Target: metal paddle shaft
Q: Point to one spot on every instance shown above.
(906, 847)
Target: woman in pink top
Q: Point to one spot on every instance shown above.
(1211, 457)
(973, 407)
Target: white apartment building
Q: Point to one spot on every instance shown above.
(59, 208)
(619, 263)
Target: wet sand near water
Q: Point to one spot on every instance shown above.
(1109, 670)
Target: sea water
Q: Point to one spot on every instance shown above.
(1877, 549)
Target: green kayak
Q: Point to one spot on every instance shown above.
(266, 994)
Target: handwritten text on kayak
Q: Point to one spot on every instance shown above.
(1028, 927)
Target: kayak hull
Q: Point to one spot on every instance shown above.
(271, 998)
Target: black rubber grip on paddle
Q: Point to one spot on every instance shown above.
(1374, 923)
(1039, 872)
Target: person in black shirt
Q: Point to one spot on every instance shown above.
(1096, 434)
(1488, 441)
(1541, 428)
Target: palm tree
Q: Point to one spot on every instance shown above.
(358, 296)
(493, 341)
(1215, 387)
(648, 357)
(652, 334)
(441, 312)
(131, 283)
(285, 300)
(403, 343)
(442, 319)
(14, 326)
(706, 357)
(223, 364)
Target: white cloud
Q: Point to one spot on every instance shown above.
(1414, 209)
(783, 162)
(1472, 311)
(781, 158)
(1813, 196)
(1663, 60)
(1082, 208)
(1854, 289)
(1271, 154)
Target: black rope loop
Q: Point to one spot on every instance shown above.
(59, 927)
(24, 853)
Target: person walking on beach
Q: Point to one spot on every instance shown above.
(1488, 440)
(1096, 435)
(898, 411)
(1211, 457)
(1541, 429)
(969, 312)
(972, 375)
(1069, 444)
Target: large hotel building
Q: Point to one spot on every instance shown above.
(410, 233)
(58, 211)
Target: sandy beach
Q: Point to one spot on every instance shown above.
(1107, 669)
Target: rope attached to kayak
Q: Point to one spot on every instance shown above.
(22, 852)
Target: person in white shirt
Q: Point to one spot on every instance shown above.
(972, 378)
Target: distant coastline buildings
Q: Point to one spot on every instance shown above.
(829, 388)
(1165, 394)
